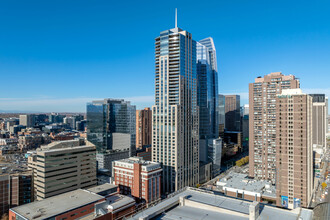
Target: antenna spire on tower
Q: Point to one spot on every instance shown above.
(176, 17)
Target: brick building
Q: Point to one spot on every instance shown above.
(294, 149)
(77, 204)
(143, 127)
(139, 178)
(262, 122)
(15, 190)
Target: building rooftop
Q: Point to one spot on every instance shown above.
(139, 160)
(243, 182)
(113, 203)
(56, 205)
(191, 203)
(102, 188)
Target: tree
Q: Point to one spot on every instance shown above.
(323, 185)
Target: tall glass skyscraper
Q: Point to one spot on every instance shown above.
(111, 125)
(175, 123)
(207, 88)
(207, 99)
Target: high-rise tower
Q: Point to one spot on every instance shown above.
(111, 125)
(175, 116)
(207, 88)
(294, 151)
(207, 101)
(262, 122)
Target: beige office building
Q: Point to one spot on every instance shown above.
(62, 167)
(262, 122)
(294, 149)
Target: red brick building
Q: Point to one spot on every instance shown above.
(139, 178)
(87, 204)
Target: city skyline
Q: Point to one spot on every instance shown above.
(262, 42)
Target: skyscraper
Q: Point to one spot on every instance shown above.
(262, 122)
(175, 113)
(207, 88)
(207, 101)
(232, 113)
(111, 125)
(294, 151)
(143, 127)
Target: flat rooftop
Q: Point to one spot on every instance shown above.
(201, 204)
(133, 160)
(56, 205)
(102, 188)
(243, 182)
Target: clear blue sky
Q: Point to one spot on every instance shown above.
(57, 55)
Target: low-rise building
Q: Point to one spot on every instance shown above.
(8, 141)
(241, 186)
(192, 203)
(139, 178)
(32, 141)
(77, 204)
(144, 152)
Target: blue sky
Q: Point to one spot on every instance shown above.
(58, 55)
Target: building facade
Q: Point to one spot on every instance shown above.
(175, 142)
(139, 178)
(207, 88)
(320, 124)
(294, 149)
(262, 122)
(207, 101)
(62, 167)
(77, 204)
(111, 125)
(143, 127)
(27, 120)
(15, 190)
(232, 113)
(221, 110)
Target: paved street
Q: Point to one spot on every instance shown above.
(321, 195)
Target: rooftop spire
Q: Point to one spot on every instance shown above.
(176, 17)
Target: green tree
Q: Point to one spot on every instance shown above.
(323, 185)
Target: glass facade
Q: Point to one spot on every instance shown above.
(221, 109)
(108, 123)
(207, 88)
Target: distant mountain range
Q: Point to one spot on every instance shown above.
(18, 111)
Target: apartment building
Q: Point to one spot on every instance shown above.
(175, 117)
(139, 178)
(262, 122)
(294, 149)
(62, 167)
